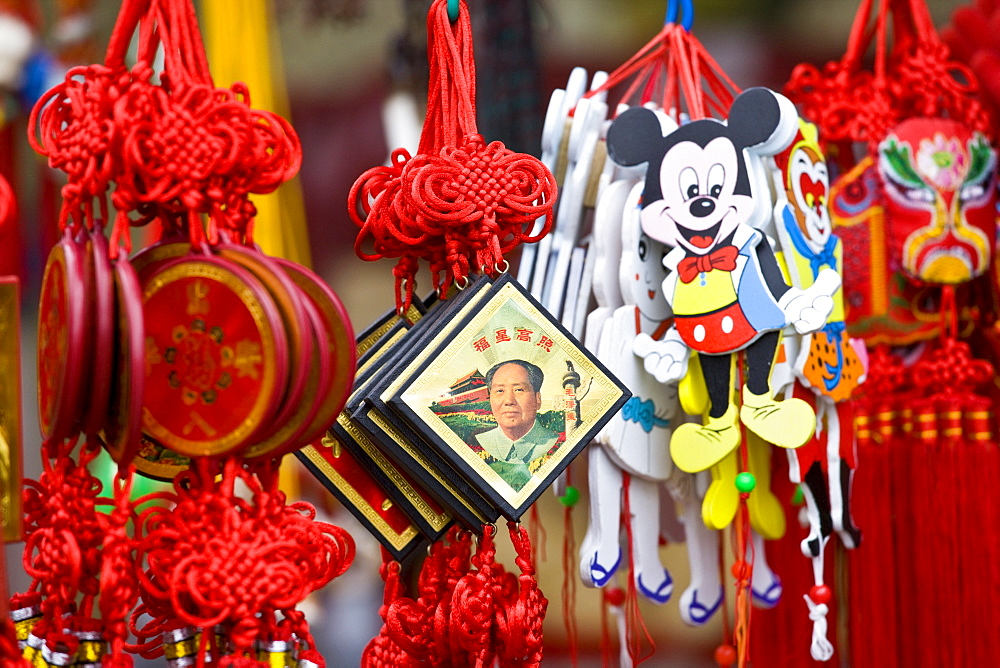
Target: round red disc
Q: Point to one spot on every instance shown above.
(216, 356)
(289, 302)
(125, 406)
(287, 438)
(340, 341)
(152, 257)
(61, 353)
(102, 326)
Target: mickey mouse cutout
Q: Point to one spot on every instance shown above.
(726, 290)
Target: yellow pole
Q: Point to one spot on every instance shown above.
(243, 46)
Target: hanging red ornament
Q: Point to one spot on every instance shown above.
(460, 203)
(916, 213)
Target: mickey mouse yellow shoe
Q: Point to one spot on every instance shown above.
(788, 424)
(696, 447)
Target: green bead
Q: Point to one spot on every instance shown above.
(571, 497)
(798, 498)
(745, 482)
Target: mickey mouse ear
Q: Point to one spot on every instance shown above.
(762, 120)
(634, 137)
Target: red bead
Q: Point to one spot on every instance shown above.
(740, 570)
(615, 596)
(821, 594)
(725, 655)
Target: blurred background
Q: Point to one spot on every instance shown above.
(342, 60)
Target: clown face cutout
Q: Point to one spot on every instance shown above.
(647, 278)
(940, 183)
(806, 183)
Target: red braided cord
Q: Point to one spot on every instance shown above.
(408, 621)
(520, 613)
(742, 569)
(63, 530)
(382, 652)
(915, 77)
(460, 204)
(216, 558)
(742, 572)
(119, 588)
(182, 146)
(10, 655)
(472, 604)
(570, 579)
(677, 65)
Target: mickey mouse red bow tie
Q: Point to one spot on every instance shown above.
(723, 258)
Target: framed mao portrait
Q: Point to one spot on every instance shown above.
(510, 398)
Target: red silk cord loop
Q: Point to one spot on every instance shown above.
(914, 77)
(675, 71)
(175, 148)
(461, 203)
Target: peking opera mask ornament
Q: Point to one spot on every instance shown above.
(939, 180)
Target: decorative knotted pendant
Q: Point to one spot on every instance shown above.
(916, 215)
(460, 203)
(206, 359)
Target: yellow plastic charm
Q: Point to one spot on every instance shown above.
(691, 390)
(788, 424)
(696, 447)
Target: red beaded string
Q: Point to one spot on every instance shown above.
(636, 632)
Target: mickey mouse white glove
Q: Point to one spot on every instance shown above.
(667, 359)
(807, 310)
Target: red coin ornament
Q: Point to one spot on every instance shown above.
(61, 352)
(289, 302)
(287, 435)
(102, 323)
(151, 258)
(336, 326)
(202, 353)
(216, 356)
(125, 405)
